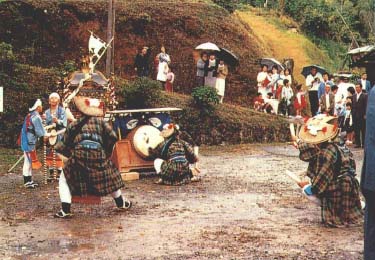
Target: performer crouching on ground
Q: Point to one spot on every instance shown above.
(55, 115)
(88, 143)
(174, 156)
(332, 172)
(32, 129)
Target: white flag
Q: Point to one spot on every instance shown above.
(95, 45)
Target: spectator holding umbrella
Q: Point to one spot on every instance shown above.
(200, 70)
(211, 71)
(263, 80)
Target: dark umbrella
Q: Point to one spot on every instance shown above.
(307, 70)
(228, 57)
(270, 62)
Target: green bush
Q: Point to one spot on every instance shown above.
(68, 67)
(7, 57)
(140, 93)
(205, 98)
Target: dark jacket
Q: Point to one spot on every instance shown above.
(359, 106)
(323, 105)
(208, 69)
(142, 61)
(368, 169)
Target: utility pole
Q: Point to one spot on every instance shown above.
(109, 68)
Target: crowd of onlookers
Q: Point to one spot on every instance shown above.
(162, 63)
(211, 71)
(326, 95)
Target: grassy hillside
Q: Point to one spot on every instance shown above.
(280, 42)
(46, 33)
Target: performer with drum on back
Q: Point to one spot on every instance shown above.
(88, 143)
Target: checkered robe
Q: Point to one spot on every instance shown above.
(332, 173)
(89, 170)
(177, 154)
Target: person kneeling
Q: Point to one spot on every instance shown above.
(173, 157)
(332, 172)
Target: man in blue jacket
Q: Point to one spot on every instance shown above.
(368, 179)
(32, 129)
(366, 85)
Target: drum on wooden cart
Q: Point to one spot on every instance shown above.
(131, 152)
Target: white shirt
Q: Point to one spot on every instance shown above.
(261, 77)
(310, 78)
(363, 81)
(287, 93)
(358, 95)
(343, 89)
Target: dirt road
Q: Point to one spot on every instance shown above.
(244, 208)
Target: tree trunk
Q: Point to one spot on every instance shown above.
(282, 6)
(109, 68)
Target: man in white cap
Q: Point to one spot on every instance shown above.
(55, 115)
(32, 129)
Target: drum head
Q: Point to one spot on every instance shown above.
(144, 137)
(53, 138)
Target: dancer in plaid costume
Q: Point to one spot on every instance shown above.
(332, 173)
(88, 143)
(174, 156)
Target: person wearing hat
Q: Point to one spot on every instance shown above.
(55, 115)
(89, 171)
(173, 157)
(331, 170)
(32, 129)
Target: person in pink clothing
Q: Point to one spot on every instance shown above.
(170, 80)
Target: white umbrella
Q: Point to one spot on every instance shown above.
(208, 46)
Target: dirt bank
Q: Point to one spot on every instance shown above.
(244, 208)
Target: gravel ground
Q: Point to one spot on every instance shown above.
(245, 207)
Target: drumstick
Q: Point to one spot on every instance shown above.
(119, 133)
(293, 176)
(292, 130)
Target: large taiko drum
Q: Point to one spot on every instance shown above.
(145, 137)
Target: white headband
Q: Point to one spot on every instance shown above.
(54, 94)
(37, 104)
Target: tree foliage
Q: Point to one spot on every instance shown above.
(337, 20)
